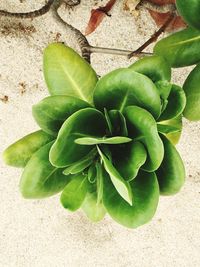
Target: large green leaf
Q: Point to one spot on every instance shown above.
(19, 153)
(192, 91)
(176, 104)
(143, 127)
(52, 111)
(104, 140)
(189, 11)
(154, 67)
(74, 192)
(128, 159)
(94, 211)
(124, 87)
(40, 179)
(146, 195)
(181, 48)
(67, 73)
(85, 122)
(122, 186)
(171, 173)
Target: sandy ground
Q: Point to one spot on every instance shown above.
(41, 233)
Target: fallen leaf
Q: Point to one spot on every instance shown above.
(97, 15)
(160, 18)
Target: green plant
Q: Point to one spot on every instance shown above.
(106, 144)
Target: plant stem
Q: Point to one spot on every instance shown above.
(118, 52)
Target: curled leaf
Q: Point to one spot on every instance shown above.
(97, 15)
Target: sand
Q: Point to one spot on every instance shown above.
(40, 233)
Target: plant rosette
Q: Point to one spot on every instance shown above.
(107, 144)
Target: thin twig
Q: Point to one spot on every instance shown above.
(155, 36)
(118, 52)
(85, 47)
(32, 14)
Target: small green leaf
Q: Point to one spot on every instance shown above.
(118, 123)
(52, 111)
(180, 49)
(192, 91)
(166, 129)
(122, 187)
(40, 179)
(110, 127)
(67, 73)
(124, 87)
(94, 211)
(82, 164)
(176, 104)
(143, 127)
(96, 141)
(146, 195)
(171, 173)
(85, 122)
(154, 67)
(74, 193)
(99, 171)
(92, 173)
(19, 153)
(176, 123)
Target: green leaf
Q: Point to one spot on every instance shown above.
(19, 153)
(189, 11)
(181, 48)
(122, 187)
(99, 171)
(94, 211)
(118, 123)
(171, 174)
(110, 127)
(52, 111)
(65, 151)
(176, 123)
(40, 179)
(146, 195)
(92, 173)
(143, 127)
(74, 192)
(124, 87)
(82, 164)
(67, 73)
(129, 158)
(154, 67)
(164, 88)
(192, 91)
(104, 140)
(176, 104)
(165, 129)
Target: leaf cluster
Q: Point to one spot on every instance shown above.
(107, 144)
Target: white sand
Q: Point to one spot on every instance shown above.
(41, 233)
